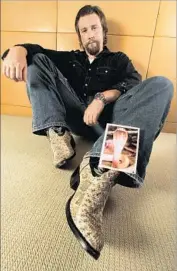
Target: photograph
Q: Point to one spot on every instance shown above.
(120, 148)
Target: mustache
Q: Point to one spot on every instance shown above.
(90, 42)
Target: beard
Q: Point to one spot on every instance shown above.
(93, 47)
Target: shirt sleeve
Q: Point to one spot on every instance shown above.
(57, 57)
(128, 75)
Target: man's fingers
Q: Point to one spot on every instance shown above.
(18, 72)
(87, 118)
(4, 69)
(15, 70)
(95, 119)
(90, 119)
(84, 118)
(94, 122)
(12, 72)
(7, 71)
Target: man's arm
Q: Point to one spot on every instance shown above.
(111, 95)
(129, 78)
(127, 74)
(33, 49)
(17, 58)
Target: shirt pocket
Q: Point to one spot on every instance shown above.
(105, 74)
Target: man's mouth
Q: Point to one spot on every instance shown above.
(92, 42)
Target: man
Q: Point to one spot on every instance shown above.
(79, 92)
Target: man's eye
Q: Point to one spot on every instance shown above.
(83, 31)
(94, 27)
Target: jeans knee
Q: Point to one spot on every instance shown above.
(162, 83)
(38, 66)
(167, 85)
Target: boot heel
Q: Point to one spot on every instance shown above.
(75, 179)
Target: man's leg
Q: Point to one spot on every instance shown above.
(145, 106)
(55, 107)
(49, 94)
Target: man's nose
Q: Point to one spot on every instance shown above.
(90, 34)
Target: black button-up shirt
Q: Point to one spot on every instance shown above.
(109, 70)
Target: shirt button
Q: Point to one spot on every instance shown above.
(86, 85)
(106, 71)
(74, 65)
(89, 69)
(85, 94)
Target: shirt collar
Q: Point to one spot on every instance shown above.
(105, 51)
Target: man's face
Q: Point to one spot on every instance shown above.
(91, 33)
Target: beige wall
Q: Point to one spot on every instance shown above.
(144, 30)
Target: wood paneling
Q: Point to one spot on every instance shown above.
(35, 16)
(124, 17)
(163, 58)
(16, 110)
(166, 23)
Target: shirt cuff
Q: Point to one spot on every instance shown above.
(122, 87)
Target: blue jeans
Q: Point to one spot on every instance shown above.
(55, 103)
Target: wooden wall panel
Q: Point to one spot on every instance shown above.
(166, 23)
(124, 17)
(163, 58)
(39, 16)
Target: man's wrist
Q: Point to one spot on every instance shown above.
(100, 97)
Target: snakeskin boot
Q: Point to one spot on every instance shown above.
(62, 145)
(84, 210)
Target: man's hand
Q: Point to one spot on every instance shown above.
(15, 64)
(93, 112)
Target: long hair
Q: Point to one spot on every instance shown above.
(87, 10)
